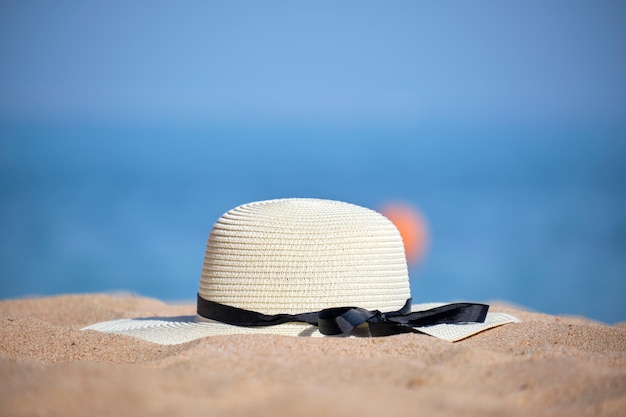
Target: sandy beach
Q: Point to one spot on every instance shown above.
(545, 366)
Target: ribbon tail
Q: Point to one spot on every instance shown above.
(457, 313)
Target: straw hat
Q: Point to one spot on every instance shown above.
(307, 267)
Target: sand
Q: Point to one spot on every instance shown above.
(545, 366)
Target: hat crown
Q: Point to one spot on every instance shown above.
(297, 255)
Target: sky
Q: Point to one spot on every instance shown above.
(400, 63)
(128, 127)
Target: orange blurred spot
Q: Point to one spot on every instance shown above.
(412, 227)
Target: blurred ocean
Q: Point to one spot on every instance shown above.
(533, 216)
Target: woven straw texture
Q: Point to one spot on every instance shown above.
(299, 255)
(295, 256)
(182, 329)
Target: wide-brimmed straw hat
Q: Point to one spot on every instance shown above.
(307, 267)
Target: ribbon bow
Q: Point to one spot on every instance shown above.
(343, 320)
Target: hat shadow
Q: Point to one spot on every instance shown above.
(171, 319)
(309, 331)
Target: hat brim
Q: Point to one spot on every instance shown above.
(183, 329)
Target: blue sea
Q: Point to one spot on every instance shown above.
(535, 216)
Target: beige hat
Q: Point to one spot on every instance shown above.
(307, 267)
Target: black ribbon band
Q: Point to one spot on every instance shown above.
(343, 320)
